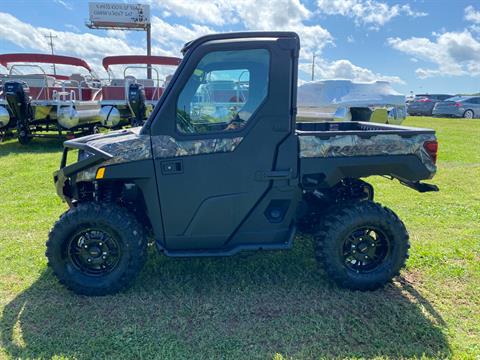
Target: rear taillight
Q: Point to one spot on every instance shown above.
(457, 104)
(425, 100)
(432, 149)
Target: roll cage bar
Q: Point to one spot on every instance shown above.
(139, 59)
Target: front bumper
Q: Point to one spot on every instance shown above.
(61, 177)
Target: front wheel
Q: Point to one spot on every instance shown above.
(362, 246)
(97, 249)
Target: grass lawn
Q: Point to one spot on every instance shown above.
(266, 305)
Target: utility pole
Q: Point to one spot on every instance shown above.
(313, 67)
(51, 37)
(149, 50)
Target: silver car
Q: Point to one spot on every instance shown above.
(423, 104)
(458, 106)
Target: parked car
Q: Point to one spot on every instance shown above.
(458, 106)
(423, 104)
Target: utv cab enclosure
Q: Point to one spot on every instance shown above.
(212, 175)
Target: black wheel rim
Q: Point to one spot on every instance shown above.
(365, 249)
(94, 252)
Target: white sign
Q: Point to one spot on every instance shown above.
(134, 15)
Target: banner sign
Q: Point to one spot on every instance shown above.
(119, 15)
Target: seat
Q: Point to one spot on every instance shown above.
(77, 77)
(117, 82)
(34, 80)
(146, 82)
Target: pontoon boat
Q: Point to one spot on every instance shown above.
(41, 102)
(129, 100)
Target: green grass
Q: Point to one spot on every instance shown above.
(265, 305)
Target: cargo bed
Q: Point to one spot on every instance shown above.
(332, 128)
(331, 151)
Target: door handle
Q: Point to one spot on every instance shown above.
(172, 167)
(273, 175)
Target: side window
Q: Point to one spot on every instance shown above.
(223, 92)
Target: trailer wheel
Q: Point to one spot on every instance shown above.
(97, 249)
(23, 135)
(362, 245)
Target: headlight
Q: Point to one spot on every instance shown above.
(82, 155)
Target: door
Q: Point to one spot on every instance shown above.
(215, 142)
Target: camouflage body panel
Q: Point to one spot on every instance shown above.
(127, 146)
(124, 146)
(166, 146)
(354, 145)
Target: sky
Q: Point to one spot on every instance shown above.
(420, 46)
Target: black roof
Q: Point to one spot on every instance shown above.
(235, 35)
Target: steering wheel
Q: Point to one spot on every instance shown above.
(236, 123)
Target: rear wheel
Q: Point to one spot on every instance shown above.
(97, 249)
(468, 114)
(362, 246)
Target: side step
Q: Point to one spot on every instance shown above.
(230, 251)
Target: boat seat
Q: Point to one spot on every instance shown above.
(33, 80)
(131, 80)
(117, 82)
(78, 78)
(146, 82)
